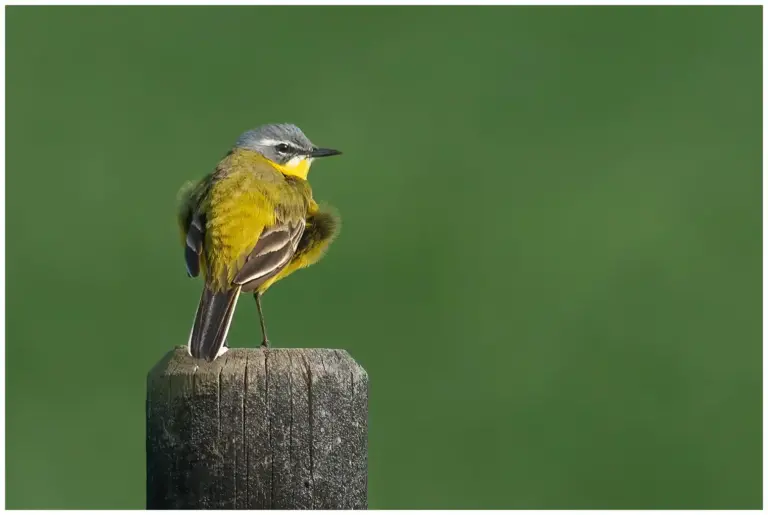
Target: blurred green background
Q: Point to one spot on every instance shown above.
(550, 263)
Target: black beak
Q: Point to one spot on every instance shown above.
(324, 152)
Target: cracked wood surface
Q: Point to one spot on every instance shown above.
(255, 429)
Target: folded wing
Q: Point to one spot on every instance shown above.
(193, 244)
(273, 251)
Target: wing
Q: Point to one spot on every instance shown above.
(192, 223)
(193, 244)
(274, 249)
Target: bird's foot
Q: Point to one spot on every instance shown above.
(265, 344)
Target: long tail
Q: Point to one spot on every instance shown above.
(212, 320)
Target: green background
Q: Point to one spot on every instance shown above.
(550, 263)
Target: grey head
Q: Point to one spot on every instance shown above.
(281, 142)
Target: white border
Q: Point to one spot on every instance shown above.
(765, 268)
(378, 2)
(2, 270)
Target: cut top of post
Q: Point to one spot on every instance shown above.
(178, 362)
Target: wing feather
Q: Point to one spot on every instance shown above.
(274, 249)
(191, 219)
(194, 244)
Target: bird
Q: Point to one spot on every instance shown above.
(249, 223)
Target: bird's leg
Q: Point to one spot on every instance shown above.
(265, 342)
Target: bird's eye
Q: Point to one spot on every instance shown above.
(283, 148)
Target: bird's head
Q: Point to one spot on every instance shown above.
(285, 146)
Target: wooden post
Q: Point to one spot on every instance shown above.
(255, 429)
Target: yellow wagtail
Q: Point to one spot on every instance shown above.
(250, 223)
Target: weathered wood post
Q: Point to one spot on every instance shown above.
(255, 429)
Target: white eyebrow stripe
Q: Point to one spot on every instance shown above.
(272, 142)
(268, 142)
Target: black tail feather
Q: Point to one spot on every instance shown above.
(212, 320)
